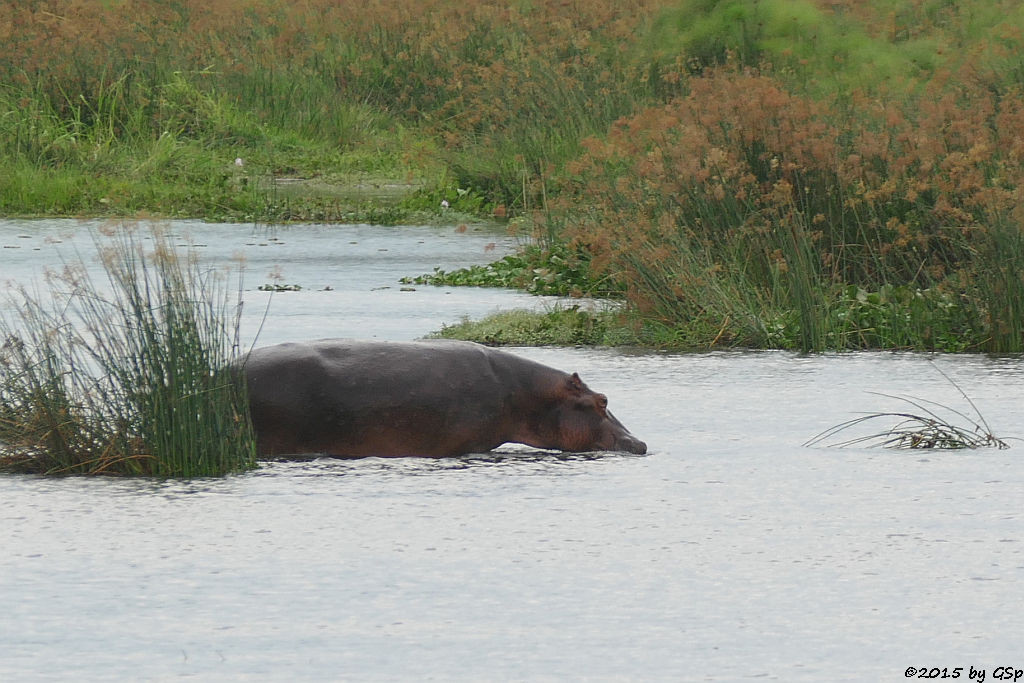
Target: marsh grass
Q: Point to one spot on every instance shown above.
(169, 147)
(127, 377)
(732, 168)
(935, 426)
(1000, 282)
(491, 91)
(750, 202)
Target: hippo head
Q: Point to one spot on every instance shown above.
(582, 422)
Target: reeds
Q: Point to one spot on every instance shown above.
(130, 376)
(755, 203)
(929, 430)
(934, 427)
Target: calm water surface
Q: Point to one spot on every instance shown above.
(348, 274)
(729, 552)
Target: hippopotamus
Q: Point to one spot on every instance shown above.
(441, 398)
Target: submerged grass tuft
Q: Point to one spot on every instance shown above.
(930, 429)
(127, 377)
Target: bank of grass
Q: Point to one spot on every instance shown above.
(784, 202)
(574, 325)
(176, 148)
(478, 95)
(733, 169)
(560, 326)
(128, 376)
(893, 318)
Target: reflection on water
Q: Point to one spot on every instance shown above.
(729, 552)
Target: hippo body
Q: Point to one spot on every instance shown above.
(425, 398)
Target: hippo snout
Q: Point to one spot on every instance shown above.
(630, 444)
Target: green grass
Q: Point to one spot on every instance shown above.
(171, 150)
(557, 270)
(453, 95)
(558, 327)
(768, 173)
(851, 319)
(126, 377)
(890, 44)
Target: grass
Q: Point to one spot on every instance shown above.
(934, 427)
(127, 377)
(731, 169)
(576, 325)
(561, 326)
(853, 318)
(170, 148)
(556, 270)
(455, 95)
(929, 430)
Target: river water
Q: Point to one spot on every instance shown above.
(729, 552)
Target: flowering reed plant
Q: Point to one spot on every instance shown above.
(747, 201)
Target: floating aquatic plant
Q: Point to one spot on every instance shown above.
(934, 427)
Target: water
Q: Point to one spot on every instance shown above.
(348, 274)
(729, 552)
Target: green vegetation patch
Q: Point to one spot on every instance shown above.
(127, 377)
(558, 270)
(558, 327)
(835, 46)
(184, 148)
(854, 319)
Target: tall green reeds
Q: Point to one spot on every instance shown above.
(130, 376)
(1000, 281)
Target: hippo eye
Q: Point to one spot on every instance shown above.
(602, 402)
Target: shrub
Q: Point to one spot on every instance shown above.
(746, 198)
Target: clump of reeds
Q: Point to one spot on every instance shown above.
(752, 205)
(125, 377)
(933, 428)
